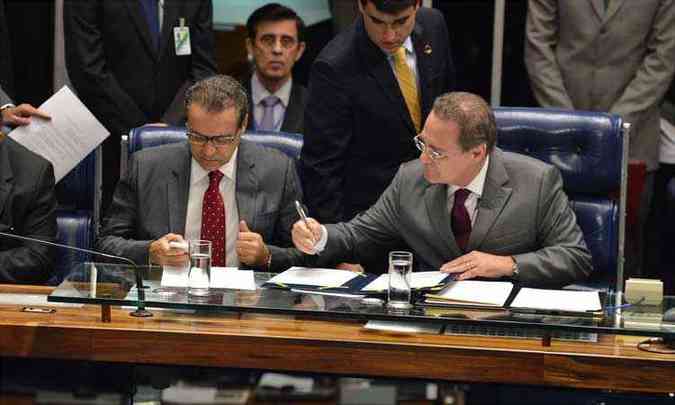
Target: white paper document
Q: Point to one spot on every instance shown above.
(66, 139)
(314, 277)
(221, 277)
(470, 292)
(557, 300)
(419, 279)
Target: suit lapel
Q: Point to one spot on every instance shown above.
(293, 112)
(178, 190)
(423, 52)
(436, 201)
(6, 176)
(614, 6)
(169, 21)
(246, 188)
(598, 7)
(491, 204)
(134, 8)
(379, 68)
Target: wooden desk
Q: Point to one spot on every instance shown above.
(340, 347)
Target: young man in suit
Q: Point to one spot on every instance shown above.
(466, 207)
(217, 187)
(27, 208)
(275, 42)
(131, 61)
(370, 90)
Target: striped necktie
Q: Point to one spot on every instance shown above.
(408, 85)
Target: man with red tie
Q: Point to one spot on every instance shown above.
(216, 186)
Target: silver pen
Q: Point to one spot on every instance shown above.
(303, 216)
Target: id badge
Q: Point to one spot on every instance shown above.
(181, 39)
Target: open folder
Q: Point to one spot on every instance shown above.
(320, 280)
(472, 293)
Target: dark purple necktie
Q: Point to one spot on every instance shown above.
(461, 222)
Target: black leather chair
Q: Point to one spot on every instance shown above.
(589, 150)
(149, 136)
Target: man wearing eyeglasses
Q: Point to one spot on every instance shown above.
(466, 207)
(275, 43)
(216, 187)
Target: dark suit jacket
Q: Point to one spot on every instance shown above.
(151, 200)
(357, 126)
(523, 212)
(117, 73)
(294, 117)
(27, 204)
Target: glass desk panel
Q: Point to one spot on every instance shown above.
(112, 284)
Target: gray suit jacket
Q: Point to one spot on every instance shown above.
(151, 201)
(621, 61)
(4, 98)
(523, 213)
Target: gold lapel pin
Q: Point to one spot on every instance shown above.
(427, 49)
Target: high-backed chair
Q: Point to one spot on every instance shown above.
(149, 136)
(590, 150)
(78, 196)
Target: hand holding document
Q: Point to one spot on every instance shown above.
(66, 139)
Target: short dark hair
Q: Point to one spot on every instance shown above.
(218, 93)
(473, 116)
(274, 12)
(391, 6)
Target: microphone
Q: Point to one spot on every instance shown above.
(140, 311)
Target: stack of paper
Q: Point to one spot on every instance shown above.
(313, 277)
(557, 300)
(221, 277)
(420, 279)
(472, 293)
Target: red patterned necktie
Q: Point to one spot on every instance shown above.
(461, 222)
(213, 219)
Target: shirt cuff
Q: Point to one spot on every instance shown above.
(321, 244)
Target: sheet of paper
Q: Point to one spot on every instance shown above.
(221, 277)
(313, 277)
(66, 139)
(557, 300)
(328, 293)
(491, 293)
(419, 279)
(404, 327)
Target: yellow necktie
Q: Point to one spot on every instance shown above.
(408, 85)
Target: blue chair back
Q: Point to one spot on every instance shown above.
(150, 136)
(588, 149)
(75, 228)
(80, 188)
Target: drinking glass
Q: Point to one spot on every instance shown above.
(400, 271)
(199, 277)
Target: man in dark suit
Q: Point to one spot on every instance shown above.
(466, 207)
(130, 62)
(27, 204)
(275, 42)
(217, 187)
(370, 90)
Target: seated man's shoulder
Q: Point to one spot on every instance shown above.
(162, 153)
(525, 168)
(28, 161)
(261, 153)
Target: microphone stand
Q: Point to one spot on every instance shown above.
(140, 311)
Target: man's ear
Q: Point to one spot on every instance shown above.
(301, 50)
(244, 124)
(249, 47)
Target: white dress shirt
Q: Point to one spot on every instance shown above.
(199, 182)
(259, 92)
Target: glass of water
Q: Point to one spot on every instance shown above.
(400, 272)
(199, 277)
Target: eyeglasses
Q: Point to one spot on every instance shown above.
(268, 41)
(201, 140)
(424, 148)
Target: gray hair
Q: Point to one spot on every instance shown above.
(473, 116)
(218, 93)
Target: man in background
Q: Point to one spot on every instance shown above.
(275, 43)
(131, 61)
